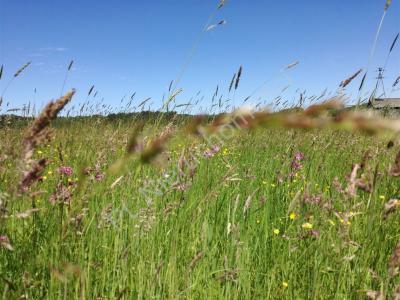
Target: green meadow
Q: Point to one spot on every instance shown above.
(267, 213)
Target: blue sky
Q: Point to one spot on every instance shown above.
(127, 46)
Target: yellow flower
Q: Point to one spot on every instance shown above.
(276, 231)
(40, 152)
(345, 222)
(307, 226)
(50, 172)
(292, 216)
(285, 284)
(382, 197)
(44, 177)
(258, 221)
(273, 184)
(264, 182)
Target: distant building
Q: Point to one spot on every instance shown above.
(379, 103)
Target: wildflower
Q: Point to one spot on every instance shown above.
(40, 152)
(307, 226)
(49, 172)
(345, 222)
(285, 284)
(212, 151)
(61, 195)
(99, 176)
(313, 199)
(276, 231)
(215, 148)
(258, 221)
(44, 178)
(273, 185)
(65, 170)
(382, 197)
(299, 156)
(292, 216)
(296, 165)
(264, 182)
(5, 242)
(208, 153)
(314, 233)
(296, 162)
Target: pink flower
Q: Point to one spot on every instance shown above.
(299, 156)
(212, 151)
(208, 153)
(296, 165)
(4, 239)
(314, 233)
(314, 199)
(215, 148)
(296, 162)
(65, 170)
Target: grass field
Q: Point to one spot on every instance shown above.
(289, 203)
(126, 209)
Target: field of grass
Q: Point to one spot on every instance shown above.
(263, 214)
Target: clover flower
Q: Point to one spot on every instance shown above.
(65, 170)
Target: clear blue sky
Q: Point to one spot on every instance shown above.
(126, 46)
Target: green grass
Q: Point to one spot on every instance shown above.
(127, 246)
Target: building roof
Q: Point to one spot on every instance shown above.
(386, 103)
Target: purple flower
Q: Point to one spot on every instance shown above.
(208, 153)
(99, 176)
(61, 195)
(296, 162)
(65, 170)
(314, 199)
(215, 148)
(296, 165)
(212, 151)
(299, 156)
